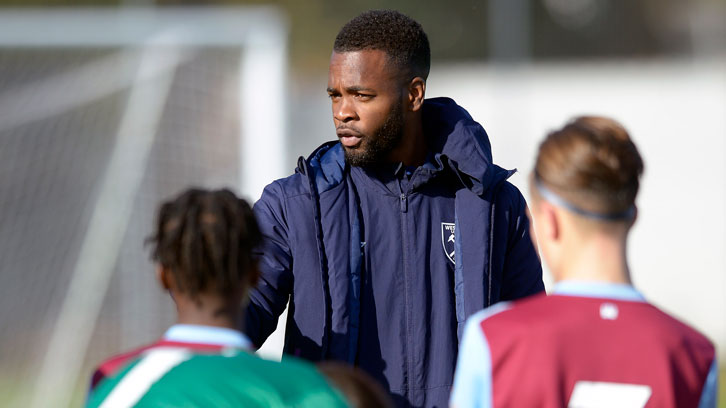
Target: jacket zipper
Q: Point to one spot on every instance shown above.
(491, 254)
(403, 200)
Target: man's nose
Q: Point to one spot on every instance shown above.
(344, 111)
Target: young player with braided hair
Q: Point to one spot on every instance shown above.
(595, 342)
(203, 248)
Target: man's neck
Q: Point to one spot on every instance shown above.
(413, 148)
(207, 311)
(599, 259)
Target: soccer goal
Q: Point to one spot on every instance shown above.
(104, 112)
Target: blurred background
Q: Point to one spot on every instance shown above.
(108, 107)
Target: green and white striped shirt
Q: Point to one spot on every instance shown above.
(183, 377)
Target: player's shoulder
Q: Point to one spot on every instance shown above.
(290, 372)
(681, 333)
(517, 317)
(113, 364)
(491, 311)
(515, 309)
(313, 389)
(295, 370)
(296, 382)
(228, 377)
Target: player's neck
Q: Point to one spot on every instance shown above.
(209, 311)
(600, 259)
(413, 147)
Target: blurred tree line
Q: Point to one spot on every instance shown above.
(488, 29)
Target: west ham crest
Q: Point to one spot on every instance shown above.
(447, 240)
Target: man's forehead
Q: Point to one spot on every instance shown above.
(361, 66)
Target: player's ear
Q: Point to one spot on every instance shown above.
(163, 276)
(416, 93)
(551, 222)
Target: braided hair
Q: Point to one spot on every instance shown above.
(205, 239)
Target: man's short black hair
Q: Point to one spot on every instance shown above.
(400, 36)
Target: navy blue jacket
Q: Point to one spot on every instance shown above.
(382, 267)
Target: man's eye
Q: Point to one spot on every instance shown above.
(364, 96)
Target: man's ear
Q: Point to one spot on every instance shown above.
(551, 221)
(416, 93)
(163, 276)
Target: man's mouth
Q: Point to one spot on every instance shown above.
(349, 138)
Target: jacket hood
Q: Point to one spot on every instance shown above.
(462, 144)
(325, 166)
(456, 140)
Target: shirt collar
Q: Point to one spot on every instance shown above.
(193, 333)
(615, 291)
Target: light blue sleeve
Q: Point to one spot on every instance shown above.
(473, 377)
(710, 388)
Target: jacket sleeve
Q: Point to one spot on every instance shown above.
(269, 299)
(522, 275)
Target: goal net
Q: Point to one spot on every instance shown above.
(103, 113)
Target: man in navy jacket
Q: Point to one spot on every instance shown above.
(386, 240)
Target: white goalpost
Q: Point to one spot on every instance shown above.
(149, 49)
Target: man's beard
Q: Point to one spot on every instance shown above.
(376, 147)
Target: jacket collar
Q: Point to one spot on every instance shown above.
(596, 289)
(457, 142)
(462, 144)
(192, 333)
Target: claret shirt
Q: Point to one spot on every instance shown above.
(586, 345)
